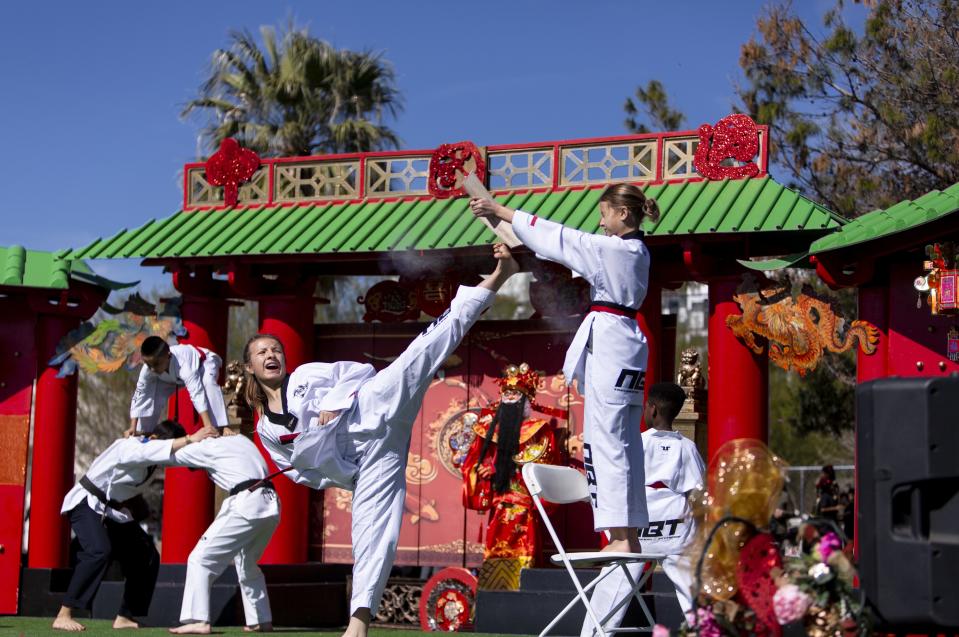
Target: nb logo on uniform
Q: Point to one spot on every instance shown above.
(590, 474)
(300, 391)
(631, 380)
(439, 319)
(655, 529)
(664, 447)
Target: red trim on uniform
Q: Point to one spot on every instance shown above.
(532, 221)
(286, 439)
(659, 484)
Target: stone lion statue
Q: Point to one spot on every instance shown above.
(690, 372)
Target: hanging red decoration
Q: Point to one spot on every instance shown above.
(759, 562)
(230, 167)
(733, 137)
(434, 296)
(389, 302)
(449, 164)
(941, 281)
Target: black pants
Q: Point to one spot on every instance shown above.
(101, 542)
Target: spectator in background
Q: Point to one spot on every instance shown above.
(847, 499)
(827, 495)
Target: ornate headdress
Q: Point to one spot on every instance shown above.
(520, 378)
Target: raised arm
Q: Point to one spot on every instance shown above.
(579, 251)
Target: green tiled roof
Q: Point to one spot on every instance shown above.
(903, 216)
(33, 269)
(688, 208)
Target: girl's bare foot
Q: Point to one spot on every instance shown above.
(265, 627)
(359, 623)
(124, 622)
(65, 621)
(198, 628)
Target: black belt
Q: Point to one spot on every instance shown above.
(136, 505)
(252, 485)
(612, 308)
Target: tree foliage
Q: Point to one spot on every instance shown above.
(654, 101)
(859, 117)
(297, 95)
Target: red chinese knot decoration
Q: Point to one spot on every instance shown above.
(231, 166)
(389, 302)
(449, 164)
(733, 137)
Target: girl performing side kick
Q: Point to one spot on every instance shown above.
(608, 354)
(345, 425)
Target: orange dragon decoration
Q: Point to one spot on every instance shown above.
(798, 330)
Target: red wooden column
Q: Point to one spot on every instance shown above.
(289, 317)
(651, 323)
(874, 307)
(54, 437)
(737, 404)
(188, 495)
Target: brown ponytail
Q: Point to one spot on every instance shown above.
(632, 198)
(253, 392)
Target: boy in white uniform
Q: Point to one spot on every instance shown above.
(608, 354)
(674, 468)
(239, 534)
(167, 367)
(104, 508)
(346, 425)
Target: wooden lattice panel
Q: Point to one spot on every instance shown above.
(316, 181)
(202, 193)
(608, 163)
(678, 154)
(531, 168)
(397, 175)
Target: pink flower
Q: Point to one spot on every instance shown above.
(790, 604)
(705, 621)
(660, 631)
(829, 543)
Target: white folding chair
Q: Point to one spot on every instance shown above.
(565, 485)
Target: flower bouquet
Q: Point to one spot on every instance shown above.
(745, 585)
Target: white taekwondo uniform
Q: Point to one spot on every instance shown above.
(196, 368)
(673, 469)
(608, 357)
(240, 532)
(99, 507)
(364, 449)
(121, 472)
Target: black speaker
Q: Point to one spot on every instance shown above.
(908, 488)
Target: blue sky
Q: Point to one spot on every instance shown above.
(89, 114)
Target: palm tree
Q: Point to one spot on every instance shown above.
(298, 95)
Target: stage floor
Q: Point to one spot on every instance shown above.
(31, 626)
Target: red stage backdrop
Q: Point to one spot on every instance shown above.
(437, 530)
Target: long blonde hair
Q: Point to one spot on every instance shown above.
(633, 199)
(253, 392)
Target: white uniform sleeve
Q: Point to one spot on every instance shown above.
(693, 469)
(142, 403)
(280, 455)
(138, 452)
(191, 373)
(579, 251)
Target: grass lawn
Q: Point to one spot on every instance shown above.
(31, 626)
